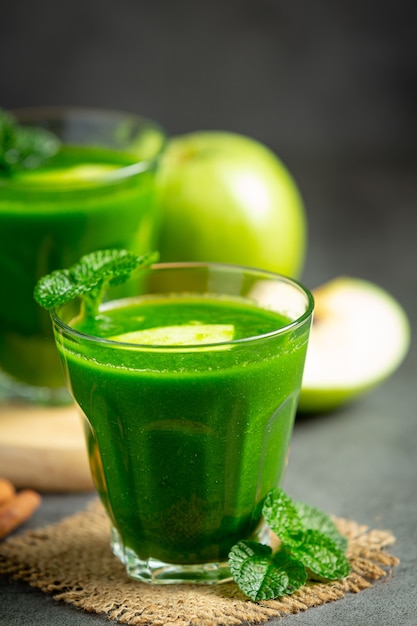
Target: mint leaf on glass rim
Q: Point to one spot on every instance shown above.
(24, 147)
(89, 277)
(262, 574)
(55, 289)
(113, 265)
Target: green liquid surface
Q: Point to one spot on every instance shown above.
(49, 217)
(185, 442)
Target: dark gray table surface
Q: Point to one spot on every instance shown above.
(359, 462)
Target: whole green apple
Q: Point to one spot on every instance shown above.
(228, 198)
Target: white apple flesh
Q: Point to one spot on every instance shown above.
(227, 198)
(360, 336)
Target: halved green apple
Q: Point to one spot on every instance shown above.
(360, 335)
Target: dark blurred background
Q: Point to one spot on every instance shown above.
(330, 86)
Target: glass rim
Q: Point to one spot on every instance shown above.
(48, 113)
(292, 325)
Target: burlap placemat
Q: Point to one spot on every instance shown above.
(73, 561)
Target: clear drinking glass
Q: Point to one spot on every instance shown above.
(97, 192)
(188, 421)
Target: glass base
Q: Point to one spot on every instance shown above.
(157, 572)
(13, 391)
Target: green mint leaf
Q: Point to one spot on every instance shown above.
(262, 574)
(309, 534)
(89, 277)
(282, 517)
(289, 519)
(311, 546)
(321, 556)
(55, 289)
(315, 519)
(24, 147)
(114, 266)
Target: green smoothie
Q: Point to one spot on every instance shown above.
(82, 199)
(185, 440)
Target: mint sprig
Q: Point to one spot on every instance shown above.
(310, 534)
(24, 147)
(311, 548)
(89, 278)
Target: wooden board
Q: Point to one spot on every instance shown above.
(43, 448)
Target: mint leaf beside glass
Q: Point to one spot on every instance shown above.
(314, 519)
(310, 548)
(262, 574)
(320, 555)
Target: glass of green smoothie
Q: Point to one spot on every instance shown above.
(188, 392)
(96, 191)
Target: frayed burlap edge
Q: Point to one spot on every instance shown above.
(72, 560)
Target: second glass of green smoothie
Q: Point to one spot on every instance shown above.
(98, 191)
(188, 392)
